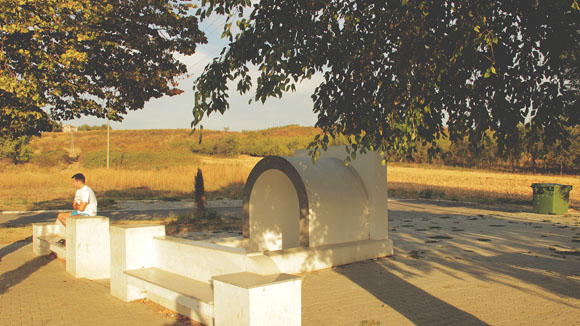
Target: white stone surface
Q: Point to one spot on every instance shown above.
(42, 230)
(374, 177)
(300, 260)
(178, 293)
(88, 247)
(202, 260)
(257, 300)
(61, 230)
(344, 203)
(337, 201)
(275, 213)
(131, 248)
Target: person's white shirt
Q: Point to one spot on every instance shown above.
(87, 195)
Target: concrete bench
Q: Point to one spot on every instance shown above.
(46, 237)
(253, 299)
(182, 294)
(182, 275)
(87, 247)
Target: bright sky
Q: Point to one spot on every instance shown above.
(175, 111)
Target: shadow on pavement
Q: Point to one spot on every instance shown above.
(405, 297)
(14, 246)
(510, 252)
(14, 277)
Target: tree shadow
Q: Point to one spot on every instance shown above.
(14, 277)
(22, 219)
(4, 251)
(438, 206)
(404, 297)
(489, 248)
(513, 202)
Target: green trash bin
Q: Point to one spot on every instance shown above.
(551, 198)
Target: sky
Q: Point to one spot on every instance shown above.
(175, 112)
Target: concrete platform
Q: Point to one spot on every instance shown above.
(454, 264)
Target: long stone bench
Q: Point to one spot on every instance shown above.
(182, 275)
(86, 246)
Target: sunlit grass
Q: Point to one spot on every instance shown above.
(38, 188)
(160, 164)
(471, 185)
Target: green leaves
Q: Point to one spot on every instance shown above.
(396, 74)
(101, 58)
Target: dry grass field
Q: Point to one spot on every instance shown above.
(34, 188)
(471, 185)
(159, 164)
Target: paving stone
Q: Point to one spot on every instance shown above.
(511, 280)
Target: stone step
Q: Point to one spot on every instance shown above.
(51, 242)
(184, 295)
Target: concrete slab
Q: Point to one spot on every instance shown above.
(454, 264)
(35, 290)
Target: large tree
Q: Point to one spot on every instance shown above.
(61, 59)
(401, 72)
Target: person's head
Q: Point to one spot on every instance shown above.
(78, 180)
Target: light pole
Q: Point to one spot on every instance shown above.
(72, 142)
(108, 128)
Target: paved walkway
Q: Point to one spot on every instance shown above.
(37, 291)
(457, 266)
(452, 266)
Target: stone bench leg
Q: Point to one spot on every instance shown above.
(88, 247)
(42, 230)
(251, 299)
(131, 248)
(61, 228)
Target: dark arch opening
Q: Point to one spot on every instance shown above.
(281, 164)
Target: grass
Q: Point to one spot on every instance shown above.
(14, 233)
(470, 185)
(29, 187)
(160, 164)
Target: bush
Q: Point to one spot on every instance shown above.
(96, 159)
(57, 157)
(199, 193)
(226, 147)
(15, 150)
(136, 160)
(91, 128)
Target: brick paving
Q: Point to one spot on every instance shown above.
(452, 266)
(37, 291)
(457, 266)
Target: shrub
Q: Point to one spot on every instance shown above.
(199, 193)
(225, 147)
(15, 150)
(96, 159)
(57, 157)
(86, 127)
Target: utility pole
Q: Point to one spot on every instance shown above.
(108, 142)
(72, 142)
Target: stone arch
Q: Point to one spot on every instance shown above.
(280, 164)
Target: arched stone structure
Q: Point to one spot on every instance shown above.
(290, 202)
(276, 163)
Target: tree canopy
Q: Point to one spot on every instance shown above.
(60, 59)
(398, 73)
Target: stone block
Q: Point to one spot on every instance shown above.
(42, 230)
(251, 299)
(88, 247)
(131, 248)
